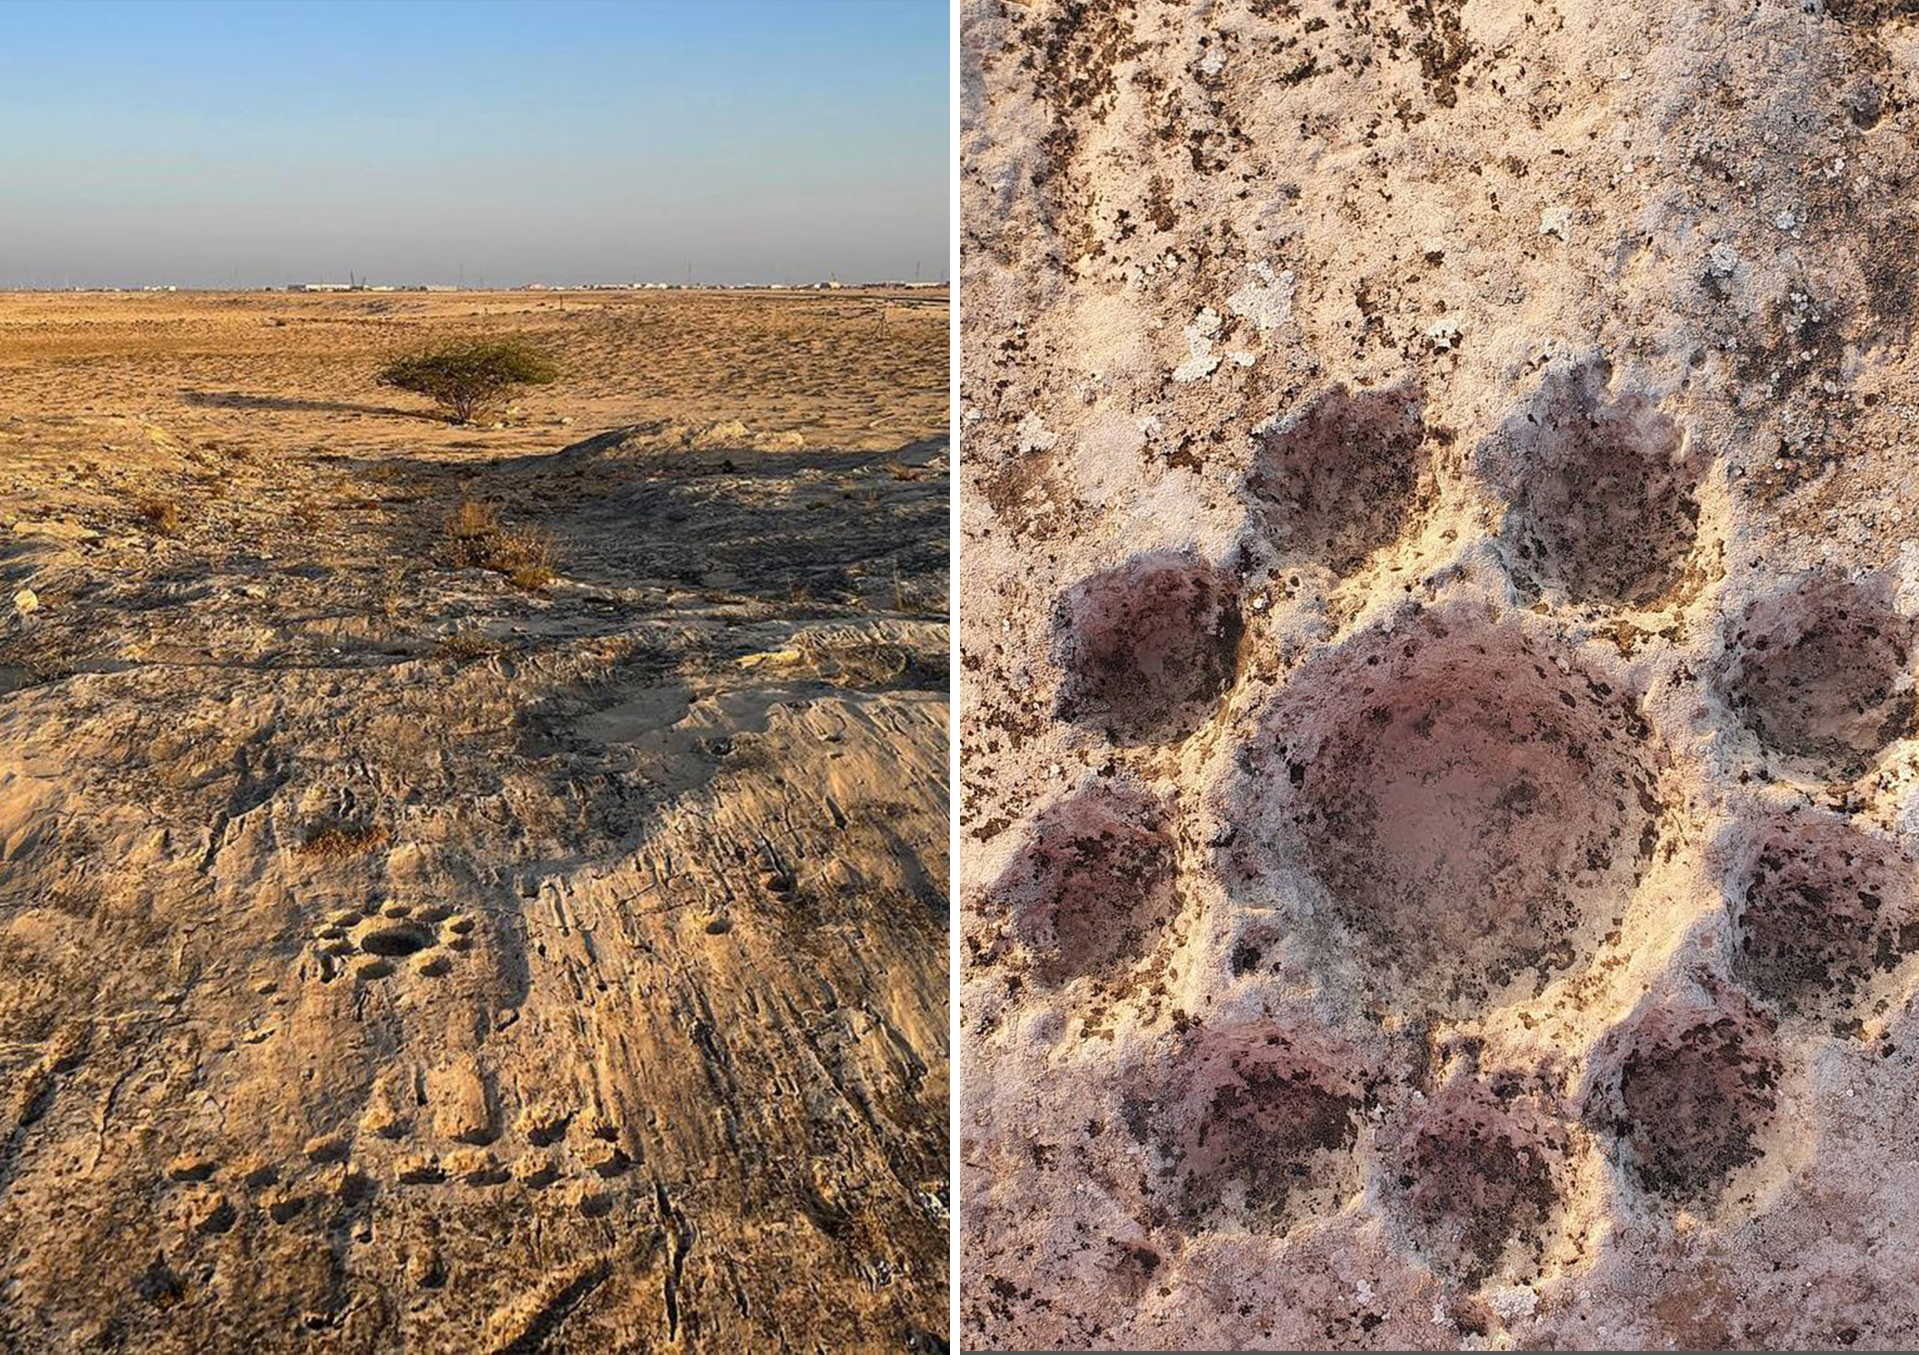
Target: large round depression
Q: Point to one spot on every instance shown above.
(1471, 815)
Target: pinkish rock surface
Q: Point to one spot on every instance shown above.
(1438, 594)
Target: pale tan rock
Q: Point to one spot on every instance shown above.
(326, 1148)
(474, 1167)
(254, 1171)
(191, 1166)
(210, 1212)
(543, 1122)
(535, 1169)
(234, 754)
(462, 1109)
(420, 1169)
(389, 1110)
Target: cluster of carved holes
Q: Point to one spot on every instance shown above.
(1254, 1134)
(1472, 814)
(1338, 479)
(1092, 888)
(1146, 649)
(1470, 1177)
(1602, 503)
(1685, 1095)
(1818, 911)
(1818, 674)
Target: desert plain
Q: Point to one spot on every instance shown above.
(410, 945)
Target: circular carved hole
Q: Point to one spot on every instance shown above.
(1338, 479)
(1473, 1181)
(1147, 648)
(1092, 889)
(1473, 814)
(1819, 911)
(1604, 502)
(394, 941)
(1686, 1094)
(1256, 1134)
(1818, 674)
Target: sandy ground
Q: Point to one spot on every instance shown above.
(392, 957)
(1437, 690)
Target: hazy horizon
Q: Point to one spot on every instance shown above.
(216, 146)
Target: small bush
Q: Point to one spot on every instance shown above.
(470, 375)
(472, 521)
(465, 645)
(476, 538)
(531, 578)
(525, 557)
(162, 515)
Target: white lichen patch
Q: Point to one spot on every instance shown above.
(1033, 435)
(1201, 360)
(1267, 301)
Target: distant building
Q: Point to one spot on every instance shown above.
(321, 287)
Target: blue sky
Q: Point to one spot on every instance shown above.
(262, 143)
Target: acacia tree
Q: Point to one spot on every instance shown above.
(468, 376)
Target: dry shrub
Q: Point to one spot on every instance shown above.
(532, 578)
(162, 515)
(472, 521)
(521, 548)
(465, 645)
(477, 539)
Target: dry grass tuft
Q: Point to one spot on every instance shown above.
(476, 538)
(472, 521)
(531, 578)
(331, 842)
(162, 515)
(522, 549)
(463, 646)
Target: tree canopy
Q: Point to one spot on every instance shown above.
(468, 376)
